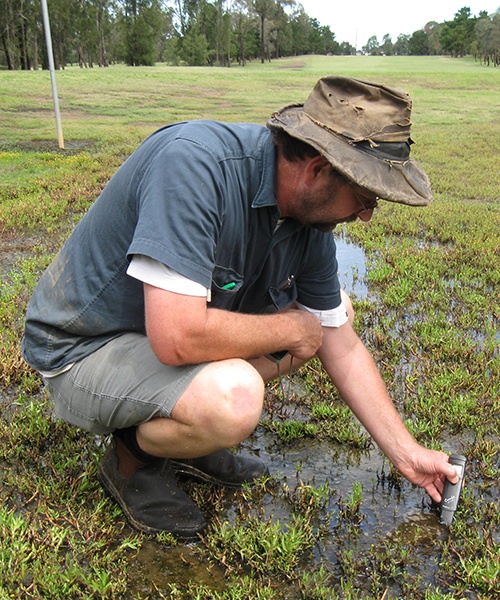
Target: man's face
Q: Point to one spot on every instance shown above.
(325, 207)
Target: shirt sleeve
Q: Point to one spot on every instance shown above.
(179, 210)
(333, 317)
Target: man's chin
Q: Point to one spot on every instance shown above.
(325, 228)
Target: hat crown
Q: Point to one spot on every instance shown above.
(359, 110)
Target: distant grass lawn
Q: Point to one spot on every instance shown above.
(432, 321)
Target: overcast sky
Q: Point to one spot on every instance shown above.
(357, 20)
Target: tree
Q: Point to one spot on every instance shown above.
(300, 26)
(223, 34)
(433, 31)
(264, 10)
(281, 25)
(418, 44)
(142, 23)
(346, 49)
(330, 44)
(20, 31)
(402, 45)
(458, 35)
(387, 45)
(195, 47)
(488, 38)
(91, 27)
(315, 41)
(167, 46)
(372, 46)
(243, 24)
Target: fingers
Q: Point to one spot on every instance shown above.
(449, 471)
(311, 336)
(430, 470)
(439, 483)
(434, 492)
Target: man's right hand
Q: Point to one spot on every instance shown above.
(306, 333)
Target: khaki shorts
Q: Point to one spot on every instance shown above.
(119, 385)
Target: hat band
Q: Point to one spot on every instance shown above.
(399, 151)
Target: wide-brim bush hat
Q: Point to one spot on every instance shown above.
(363, 130)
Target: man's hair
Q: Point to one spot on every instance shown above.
(294, 150)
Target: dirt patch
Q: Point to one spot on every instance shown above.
(70, 146)
(14, 247)
(298, 64)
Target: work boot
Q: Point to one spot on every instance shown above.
(148, 494)
(221, 468)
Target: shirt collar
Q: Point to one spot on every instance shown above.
(266, 194)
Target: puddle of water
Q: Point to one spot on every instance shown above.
(387, 513)
(351, 260)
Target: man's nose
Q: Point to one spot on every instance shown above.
(366, 215)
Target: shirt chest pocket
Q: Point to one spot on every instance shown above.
(226, 282)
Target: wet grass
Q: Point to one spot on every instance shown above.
(334, 520)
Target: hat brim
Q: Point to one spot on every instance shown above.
(404, 182)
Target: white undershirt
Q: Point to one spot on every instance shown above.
(151, 271)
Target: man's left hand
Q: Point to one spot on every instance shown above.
(429, 469)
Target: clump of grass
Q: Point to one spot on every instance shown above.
(292, 430)
(336, 422)
(240, 589)
(323, 414)
(350, 507)
(266, 546)
(307, 499)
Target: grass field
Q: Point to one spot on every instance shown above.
(334, 521)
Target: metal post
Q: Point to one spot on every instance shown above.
(48, 39)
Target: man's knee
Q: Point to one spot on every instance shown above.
(241, 397)
(224, 402)
(348, 306)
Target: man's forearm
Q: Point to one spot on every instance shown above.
(183, 330)
(229, 335)
(358, 381)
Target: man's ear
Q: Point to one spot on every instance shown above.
(316, 168)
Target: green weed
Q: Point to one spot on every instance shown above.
(265, 546)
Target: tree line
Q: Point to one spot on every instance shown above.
(465, 35)
(216, 32)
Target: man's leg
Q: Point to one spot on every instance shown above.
(220, 408)
(158, 413)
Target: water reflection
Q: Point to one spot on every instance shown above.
(351, 260)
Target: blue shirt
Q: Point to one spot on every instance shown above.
(199, 197)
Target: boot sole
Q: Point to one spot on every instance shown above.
(190, 472)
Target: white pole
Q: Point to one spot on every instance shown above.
(48, 39)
